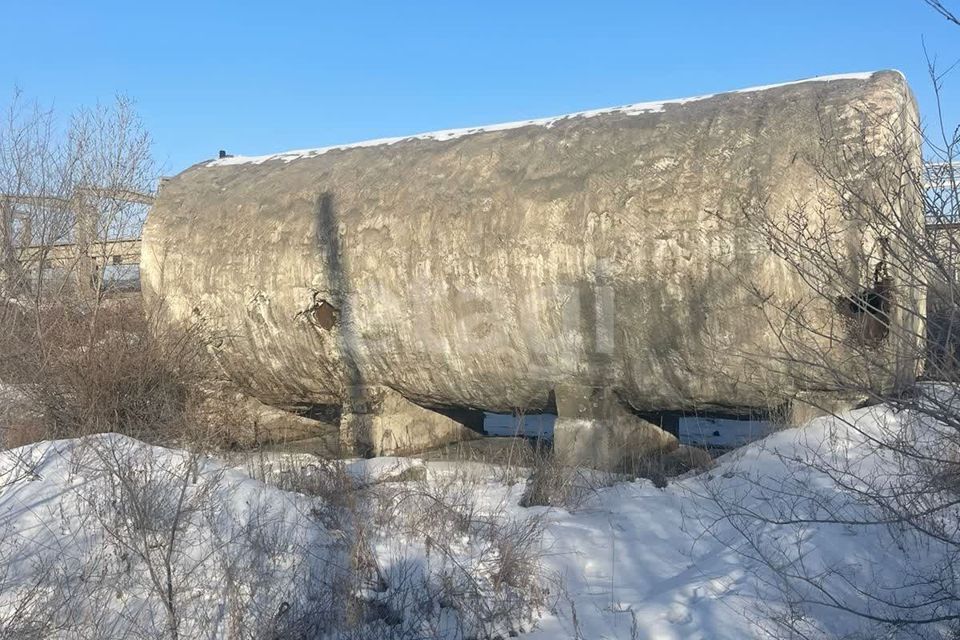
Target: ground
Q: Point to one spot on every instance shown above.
(625, 560)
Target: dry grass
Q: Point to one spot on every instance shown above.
(660, 466)
(81, 370)
(554, 482)
(113, 374)
(431, 582)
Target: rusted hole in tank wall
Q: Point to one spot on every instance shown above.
(868, 311)
(324, 315)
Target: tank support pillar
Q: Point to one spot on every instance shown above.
(808, 406)
(378, 421)
(594, 429)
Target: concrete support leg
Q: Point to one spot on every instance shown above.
(234, 416)
(378, 421)
(595, 429)
(807, 407)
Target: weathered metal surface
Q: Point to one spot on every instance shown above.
(486, 269)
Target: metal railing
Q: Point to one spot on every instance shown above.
(110, 250)
(940, 181)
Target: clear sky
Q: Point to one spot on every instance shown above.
(258, 77)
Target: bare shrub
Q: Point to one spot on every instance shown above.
(497, 586)
(888, 471)
(659, 466)
(426, 559)
(76, 346)
(155, 543)
(117, 376)
(80, 183)
(26, 603)
(180, 547)
(553, 482)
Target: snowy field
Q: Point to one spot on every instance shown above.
(691, 561)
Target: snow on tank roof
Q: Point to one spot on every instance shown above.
(452, 134)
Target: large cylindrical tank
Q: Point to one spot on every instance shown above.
(483, 268)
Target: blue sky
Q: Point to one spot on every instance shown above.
(260, 77)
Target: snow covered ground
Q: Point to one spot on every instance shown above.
(693, 561)
(689, 561)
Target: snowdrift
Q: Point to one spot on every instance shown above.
(760, 540)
